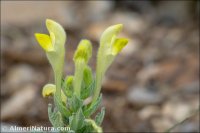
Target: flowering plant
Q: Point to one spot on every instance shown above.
(71, 94)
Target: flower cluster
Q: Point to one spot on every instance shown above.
(72, 93)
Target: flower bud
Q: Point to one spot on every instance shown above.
(84, 51)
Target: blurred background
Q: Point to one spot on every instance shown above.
(152, 84)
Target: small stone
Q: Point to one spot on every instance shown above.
(18, 76)
(191, 88)
(97, 10)
(189, 127)
(133, 23)
(18, 103)
(92, 12)
(147, 73)
(148, 112)
(142, 96)
(42, 9)
(95, 30)
(174, 12)
(161, 124)
(115, 84)
(173, 36)
(176, 110)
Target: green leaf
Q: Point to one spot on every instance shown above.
(87, 83)
(62, 108)
(87, 76)
(76, 121)
(86, 92)
(68, 86)
(99, 117)
(55, 117)
(74, 103)
(91, 126)
(88, 128)
(90, 109)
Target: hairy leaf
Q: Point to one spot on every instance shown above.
(90, 109)
(99, 117)
(74, 103)
(55, 117)
(76, 121)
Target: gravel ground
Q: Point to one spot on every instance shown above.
(152, 84)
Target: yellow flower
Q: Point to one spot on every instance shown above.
(110, 46)
(50, 89)
(109, 43)
(109, 33)
(57, 35)
(53, 44)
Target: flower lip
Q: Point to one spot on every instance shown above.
(45, 42)
(118, 45)
(48, 89)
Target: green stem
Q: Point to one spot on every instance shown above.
(100, 71)
(58, 79)
(58, 69)
(78, 76)
(57, 62)
(99, 78)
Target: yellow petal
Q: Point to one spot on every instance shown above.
(44, 41)
(48, 90)
(118, 45)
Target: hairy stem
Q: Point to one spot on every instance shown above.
(78, 76)
(99, 78)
